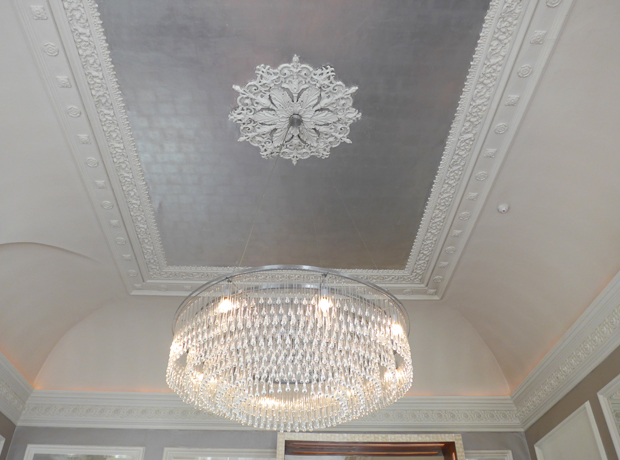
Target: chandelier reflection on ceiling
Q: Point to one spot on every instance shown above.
(290, 348)
(295, 111)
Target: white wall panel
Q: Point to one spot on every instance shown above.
(576, 438)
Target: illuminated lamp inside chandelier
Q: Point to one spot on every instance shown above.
(290, 348)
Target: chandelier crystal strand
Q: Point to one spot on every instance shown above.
(290, 348)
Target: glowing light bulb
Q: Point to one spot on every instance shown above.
(397, 329)
(225, 305)
(324, 304)
(200, 376)
(388, 376)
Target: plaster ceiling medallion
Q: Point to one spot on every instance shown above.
(295, 111)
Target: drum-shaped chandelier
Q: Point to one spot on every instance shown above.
(290, 348)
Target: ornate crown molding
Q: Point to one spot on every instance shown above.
(516, 35)
(14, 390)
(584, 346)
(167, 411)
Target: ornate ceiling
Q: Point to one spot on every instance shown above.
(179, 198)
(536, 128)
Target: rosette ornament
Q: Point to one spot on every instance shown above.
(295, 111)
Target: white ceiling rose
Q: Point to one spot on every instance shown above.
(295, 111)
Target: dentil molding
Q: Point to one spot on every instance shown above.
(516, 34)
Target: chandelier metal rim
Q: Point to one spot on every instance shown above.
(320, 270)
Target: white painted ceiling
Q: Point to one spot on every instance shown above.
(67, 320)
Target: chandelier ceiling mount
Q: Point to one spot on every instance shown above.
(295, 111)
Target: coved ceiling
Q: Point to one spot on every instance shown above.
(498, 290)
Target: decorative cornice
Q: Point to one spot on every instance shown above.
(14, 390)
(128, 220)
(584, 346)
(167, 411)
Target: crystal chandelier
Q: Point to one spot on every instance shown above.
(290, 348)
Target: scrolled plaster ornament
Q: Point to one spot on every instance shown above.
(472, 196)
(443, 264)
(539, 37)
(553, 3)
(74, 111)
(100, 76)
(512, 100)
(481, 87)
(107, 205)
(501, 128)
(39, 13)
(482, 175)
(525, 71)
(63, 81)
(83, 138)
(92, 162)
(295, 111)
(51, 49)
(464, 215)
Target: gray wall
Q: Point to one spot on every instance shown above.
(586, 390)
(156, 440)
(6, 431)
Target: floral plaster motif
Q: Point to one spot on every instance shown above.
(295, 111)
